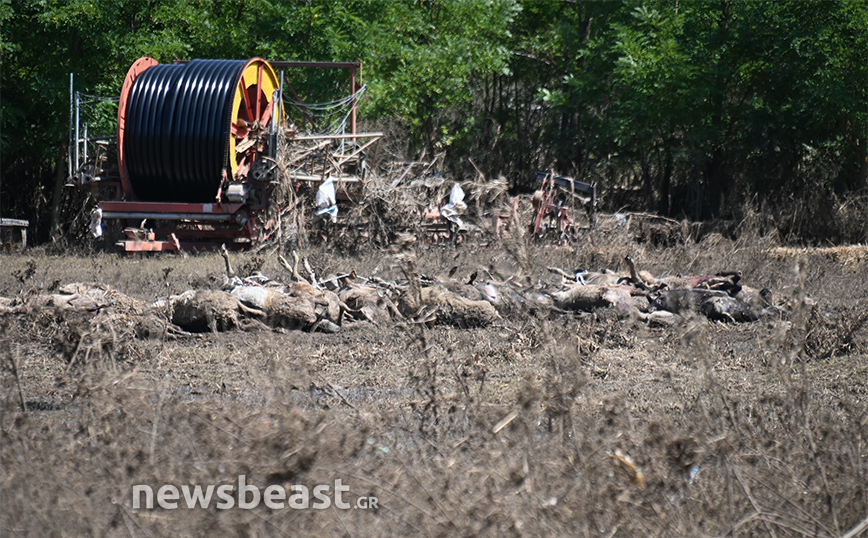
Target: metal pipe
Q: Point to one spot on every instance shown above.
(279, 104)
(166, 216)
(77, 122)
(277, 115)
(71, 120)
(84, 142)
(353, 104)
(273, 127)
(336, 137)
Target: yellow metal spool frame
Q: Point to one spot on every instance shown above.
(252, 111)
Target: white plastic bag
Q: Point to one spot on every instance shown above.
(96, 222)
(326, 200)
(455, 207)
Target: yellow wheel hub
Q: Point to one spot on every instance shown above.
(252, 113)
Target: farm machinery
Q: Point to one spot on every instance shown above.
(203, 156)
(550, 216)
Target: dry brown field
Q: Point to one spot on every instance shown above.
(542, 424)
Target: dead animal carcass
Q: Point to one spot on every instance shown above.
(591, 297)
(714, 304)
(204, 310)
(441, 306)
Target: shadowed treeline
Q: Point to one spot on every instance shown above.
(698, 109)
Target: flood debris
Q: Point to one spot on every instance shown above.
(372, 207)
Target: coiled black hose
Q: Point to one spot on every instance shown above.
(177, 130)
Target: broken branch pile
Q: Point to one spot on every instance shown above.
(371, 208)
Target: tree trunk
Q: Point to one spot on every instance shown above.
(647, 182)
(863, 156)
(665, 184)
(718, 184)
(57, 195)
(60, 168)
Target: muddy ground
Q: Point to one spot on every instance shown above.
(541, 424)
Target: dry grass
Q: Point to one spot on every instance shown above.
(538, 425)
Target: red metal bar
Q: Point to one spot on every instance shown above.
(353, 93)
(200, 234)
(132, 245)
(321, 65)
(288, 65)
(245, 98)
(259, 93)
(169, 207)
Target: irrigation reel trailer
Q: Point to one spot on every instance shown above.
(196, 147)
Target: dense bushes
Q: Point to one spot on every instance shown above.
(696, 106)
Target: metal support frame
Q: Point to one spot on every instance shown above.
(547, 208)
(72, 131)
(77, 97)
(83, 146)
(20, 224)
(198, 225)
(169, 211)
(355, 69)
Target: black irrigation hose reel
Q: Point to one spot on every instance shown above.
(194, 146)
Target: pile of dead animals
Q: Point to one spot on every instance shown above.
(720, 297)
(313, 304)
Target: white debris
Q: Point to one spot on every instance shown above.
(326, 201)
(96, 222)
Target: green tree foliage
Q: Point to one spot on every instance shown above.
(692, 105)
(704, 101)
(419, 57)
(43, 42)
(423, 56)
